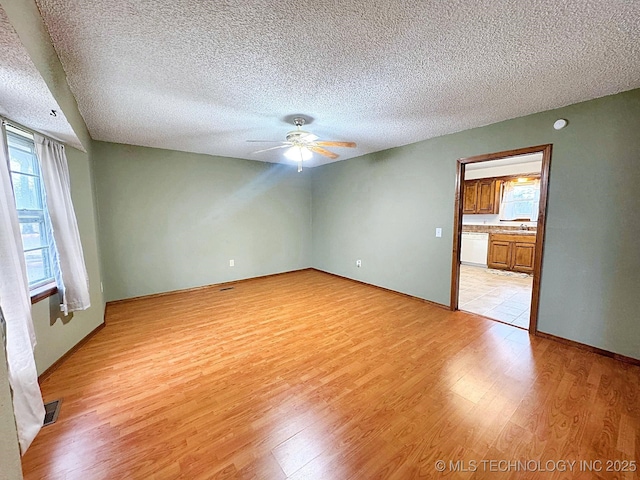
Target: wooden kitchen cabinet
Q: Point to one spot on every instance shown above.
(512, 252)
(523, 256)
(470, 196)
(488, 196)
(499, 254)
(481, 196)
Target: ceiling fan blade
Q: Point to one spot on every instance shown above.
(272, 148)
(336, 144)
(323, 152)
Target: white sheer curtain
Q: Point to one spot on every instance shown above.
(72, 279)
(15, 302)
(520, 200)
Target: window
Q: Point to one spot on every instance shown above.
(29, 194)
(520, 200)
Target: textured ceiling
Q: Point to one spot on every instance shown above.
(24, 95)
(207, 76)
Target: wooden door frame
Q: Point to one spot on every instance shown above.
(542, 217)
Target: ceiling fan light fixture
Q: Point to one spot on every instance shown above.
(301, 145)
(298, 153)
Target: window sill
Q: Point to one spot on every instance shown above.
(45, 291)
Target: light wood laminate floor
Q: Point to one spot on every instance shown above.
(309, 376)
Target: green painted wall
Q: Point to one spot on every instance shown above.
(172, 220)
(55, 333)
(383, 208)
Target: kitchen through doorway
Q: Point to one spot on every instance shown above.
(497, 244)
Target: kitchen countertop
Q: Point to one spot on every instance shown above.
(498, 229)
(514, 232)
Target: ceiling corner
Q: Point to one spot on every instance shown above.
(26, 20)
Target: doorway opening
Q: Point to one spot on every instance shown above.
(499, 220)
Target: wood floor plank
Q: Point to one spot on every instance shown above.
(310, 376)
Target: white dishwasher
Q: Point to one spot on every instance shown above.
(474, 248)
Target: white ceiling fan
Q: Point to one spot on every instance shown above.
(302, 144)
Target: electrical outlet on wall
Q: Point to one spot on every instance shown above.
(358, 263)
(232, 263)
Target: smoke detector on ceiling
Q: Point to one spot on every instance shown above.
(560, 124)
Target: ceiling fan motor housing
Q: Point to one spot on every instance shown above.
(297, 136)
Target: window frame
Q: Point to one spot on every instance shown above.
(45, 287)
(517, 182)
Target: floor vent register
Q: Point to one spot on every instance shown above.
(51, 410)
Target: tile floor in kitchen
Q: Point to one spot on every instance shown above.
(504, 296)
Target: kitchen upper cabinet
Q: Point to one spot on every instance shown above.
(488, 199)
(469, 205)
(512, 252)
(481, 196)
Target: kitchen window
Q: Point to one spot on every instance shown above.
(33, 217)
(520, 200)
